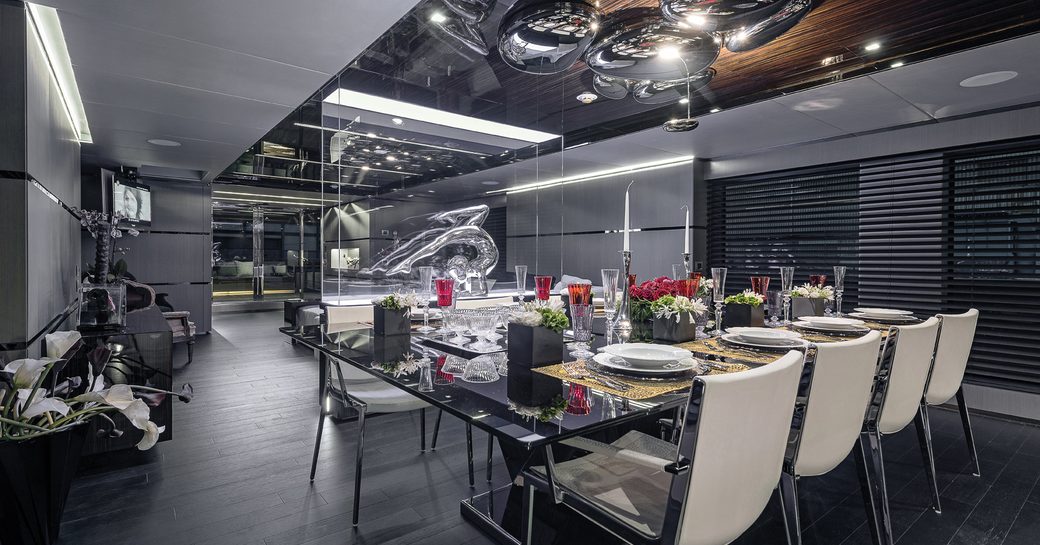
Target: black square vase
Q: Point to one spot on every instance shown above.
(804, 306)
(390, 322)
(735, 315)
(534, 346)
(670, 330)
(390, 348)
(531, 389)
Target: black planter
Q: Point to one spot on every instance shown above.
(390, 322)
(390, 348)
(534, 346)
(804, 306)
(531, 389)
(670, 330)
(735, 315)
(35, 477)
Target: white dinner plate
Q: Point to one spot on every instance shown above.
(764, 335)
(618, 365)
(831, 322)
(435, 314)
(885, 319)
(883, 312)
(645, 355)
(741, 341)
(809, 326)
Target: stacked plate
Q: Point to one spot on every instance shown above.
(435, 314)
(884, 314)
(828, 324)
(642, 359)
(763, 337)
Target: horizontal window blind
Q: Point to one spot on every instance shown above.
(934, 232)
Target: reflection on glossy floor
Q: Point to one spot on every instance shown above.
(236, 472)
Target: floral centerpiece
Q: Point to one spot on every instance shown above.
(43, 425)
(552, 411)
(810, 300)
(391, 314)
(675, 317)
(643, 295)
(744, 310)
(402, 367)
(536, 333)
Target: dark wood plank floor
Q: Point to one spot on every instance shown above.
(236, 471)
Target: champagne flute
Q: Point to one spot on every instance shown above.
(521, 281)
(425, 292)
(610, 280)
(839, 286)
(786, 286)
(718, 295)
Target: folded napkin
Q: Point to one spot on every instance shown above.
(561, 286)
(59, 342)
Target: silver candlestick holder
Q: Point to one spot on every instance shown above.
(687, 259)
(622, 321)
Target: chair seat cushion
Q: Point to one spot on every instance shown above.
(381, 397)
(633, 493)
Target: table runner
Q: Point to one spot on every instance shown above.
(641, 389)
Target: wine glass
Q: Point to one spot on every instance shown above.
(458, 324)
(425, 292)
(610, 279)
(445, 299)
(786, 286)
(760, 285)
(521, 281)
(839, 287)
(718, 295)
(542, 288)
(581, 325)
(482, 322)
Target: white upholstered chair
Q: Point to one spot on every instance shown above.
(709, 490)
(951, 358)
(831, 408)
(898, 400)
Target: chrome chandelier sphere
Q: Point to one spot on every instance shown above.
(651, 48)
(547, 38)
(719, 15)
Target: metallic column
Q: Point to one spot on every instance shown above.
(301, 281)
(258, 253)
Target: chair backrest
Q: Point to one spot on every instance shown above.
(735, 435)
(911, 363)
(951, 355)
(343, 315)
(842, 378)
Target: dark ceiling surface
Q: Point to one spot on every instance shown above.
(419, 62)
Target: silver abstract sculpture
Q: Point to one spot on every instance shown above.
(453, 243)
(631, 49)
(547, 38)
(661, 92)
(719, 15)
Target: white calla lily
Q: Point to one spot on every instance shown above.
(137, 413)
(26, 371)
(151, 436)
(44, 405)
(119, 396)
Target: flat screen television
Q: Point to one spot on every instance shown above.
(132, 201)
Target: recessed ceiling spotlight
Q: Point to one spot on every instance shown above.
(430, 191)
(684, 100)
(379, 164)
(164, 143)
(489, 182)
(872, 46)
(668, 52)
(897, 64)
(714, 110)
(406, 154)
(397, 121)
(587, 97)
(438, 17)
(989, 78)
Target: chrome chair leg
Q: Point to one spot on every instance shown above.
(527, 515)
(968, 435)
(317, 440)
(469, 452)
(422, 430)
(869, 491)
(357, 463)
(490, 454)
(436, 430)
(924, 437)
(871, 443)
(788, 491)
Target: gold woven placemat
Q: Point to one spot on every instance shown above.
(641, 389)
(719, 351)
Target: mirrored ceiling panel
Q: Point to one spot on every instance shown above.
(460, 86)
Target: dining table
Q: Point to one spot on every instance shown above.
(531, 412)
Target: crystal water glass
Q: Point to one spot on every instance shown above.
(581, 326)
(678, 271)
(521, 281)
(458, 324)
(481, 369)
(441, 378)
(425, 375)
(718, 295)
(483, 324)
(786, 286)
(760, 285)
(839, 287)
(610, 280)
(425, 293)
(454, 365)
(579, 400)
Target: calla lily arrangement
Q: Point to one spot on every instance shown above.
(28, 409)
(810, 291)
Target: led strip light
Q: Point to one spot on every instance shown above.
(578, 178)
